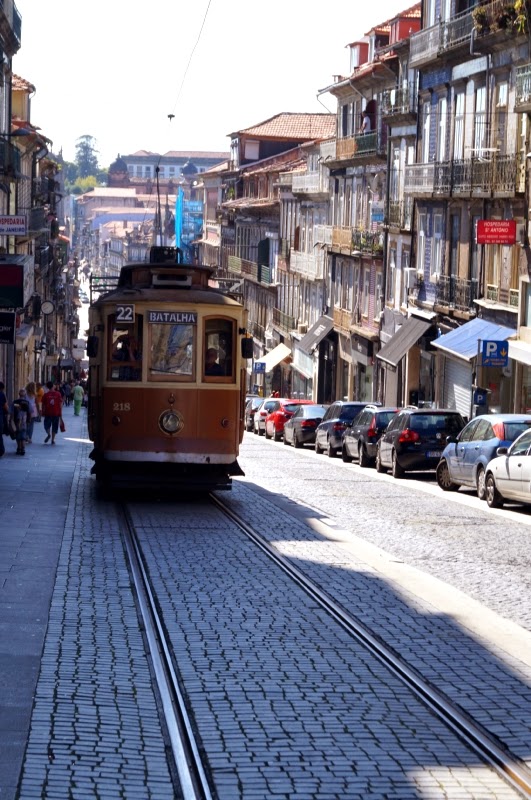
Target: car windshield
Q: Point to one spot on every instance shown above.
(428, 423)
(314, 411)
(522, 444)
(349, 412)
(514, 429)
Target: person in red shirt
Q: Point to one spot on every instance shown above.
(52, 411)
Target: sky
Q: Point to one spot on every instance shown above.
(116, 69)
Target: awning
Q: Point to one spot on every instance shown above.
(274, 357)
(403, 340)
(520, 351)
(463, 341)
(318, 331)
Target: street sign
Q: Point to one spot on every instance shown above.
(259, 366)
(495, 354)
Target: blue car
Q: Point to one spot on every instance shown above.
(465, 457)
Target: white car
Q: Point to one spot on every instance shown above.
(508, 476)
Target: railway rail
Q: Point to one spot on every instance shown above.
(199, 778)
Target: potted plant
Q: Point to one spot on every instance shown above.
(480, 18)
(522, 9)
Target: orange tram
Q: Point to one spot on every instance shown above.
(167, 366)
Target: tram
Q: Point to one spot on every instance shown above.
(167, 365)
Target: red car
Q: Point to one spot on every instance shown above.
(281, 411)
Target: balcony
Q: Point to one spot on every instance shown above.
(309, 184)
(399, 106)
(490, 176)
(284, 322)
(503, 296)
(367, 148)
(309, 265)
(449, 39)
(456, 292)
(522, 100)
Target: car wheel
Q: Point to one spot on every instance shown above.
(480, 483)
(296, 442)
(277, 435)
(396, 470)
(316, 447)
(284, 439)
(379, 466)
(345, 456)
(267, 435)
(363, 458)
(492, 495)
(330, 452)
(260, 431)
(442, 474)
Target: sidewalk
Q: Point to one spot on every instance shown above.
(34, 495)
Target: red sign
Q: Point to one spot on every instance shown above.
(496, 231)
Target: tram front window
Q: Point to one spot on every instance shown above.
(125, 350)
(218, 349)
(172, 351)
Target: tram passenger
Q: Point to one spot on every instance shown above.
(212, 365)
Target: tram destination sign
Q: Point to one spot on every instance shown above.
(173, 317)
(496, 231)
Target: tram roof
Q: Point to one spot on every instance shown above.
(166, 295)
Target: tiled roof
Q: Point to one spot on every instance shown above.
(294, 127)
(251, 202)
(21, 84)
(186, 154)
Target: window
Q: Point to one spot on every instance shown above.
(172, 347)
(480, 122)
(406, 261)
(421, 245)
(125, 349)
(366, 291)
(147, 172)
(500, 123)
(391, 274)
(455, 225)
(441, 134)
(426, 121)
(437, 246)
(459, 126)
(218, 364)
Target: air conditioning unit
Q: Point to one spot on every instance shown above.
(302, 327)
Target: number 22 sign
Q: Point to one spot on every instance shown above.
(125, 313)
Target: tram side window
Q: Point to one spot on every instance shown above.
(218, 355)
(172, 351)
(125, 350)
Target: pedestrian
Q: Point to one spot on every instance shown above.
(4, 413)
(52, 409)
(39, 393)
(21, 411)
(31, 396)
(68, 393)
(78, 398)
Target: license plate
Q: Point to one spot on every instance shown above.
(433, 453)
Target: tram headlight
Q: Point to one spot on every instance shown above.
(170, 422)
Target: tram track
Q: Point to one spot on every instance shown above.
(188, 764)
(491, 751)
(192, 776)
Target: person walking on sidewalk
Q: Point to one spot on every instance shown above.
(21, 412)
(78, 398)
(4, 413)
(31, 397)
(52, 411)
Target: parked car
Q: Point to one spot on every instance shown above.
(465, 457)
(329, 434)
(360, 438)
(250, 408)
(277, 416)
(261, 413)
(300, 428)
(508, 476)
(415, 439)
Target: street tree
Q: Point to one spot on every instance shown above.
(86, 156)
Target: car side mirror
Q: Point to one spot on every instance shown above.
(451, 440)
(502, 451)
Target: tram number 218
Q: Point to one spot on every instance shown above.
(121, 406)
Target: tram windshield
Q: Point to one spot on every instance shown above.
(218, 357)
(172, 350)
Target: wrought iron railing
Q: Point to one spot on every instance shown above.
(456, 292)
(398, 102)
(523, 87)
(284, 321)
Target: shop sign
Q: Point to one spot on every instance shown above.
(14, 225)
(496, 231)
(7, 327)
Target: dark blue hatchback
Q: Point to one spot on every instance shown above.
(465, 457)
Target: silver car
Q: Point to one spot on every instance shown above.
(508, 476)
